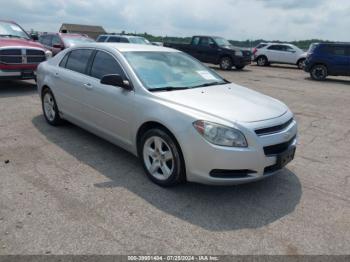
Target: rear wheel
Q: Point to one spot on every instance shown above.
(162, 158)
(226, 63)
(50, 108)
(262, 61)
(301, 64)
(319, 72)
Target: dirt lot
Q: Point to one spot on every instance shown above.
(65, 191)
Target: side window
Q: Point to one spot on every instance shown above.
(337, 50)
(102, 39)
(63, 62)
(105, 64)
(56, 40)
(275, 47)
(124, 40)
(46, 40)
(195, 40)
(205, 41)
(114, 39)
(78, 60)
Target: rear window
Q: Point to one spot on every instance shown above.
(336, 50)
(102, 39)
(78, 60)
(261, 46)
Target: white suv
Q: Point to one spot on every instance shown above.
(267, 53)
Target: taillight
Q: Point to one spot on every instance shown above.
(255, 50)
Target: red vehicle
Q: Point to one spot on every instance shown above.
(19, 53)
(56, 42)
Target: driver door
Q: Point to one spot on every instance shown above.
(110, 108)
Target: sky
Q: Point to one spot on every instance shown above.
(286, 20)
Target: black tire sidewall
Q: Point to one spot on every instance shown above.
(318, 78)
(299, 62)
(178, 175)
(57, 120)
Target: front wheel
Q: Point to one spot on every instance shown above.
(319, 72)
(226, 63)
(50, 108)
(162, 158)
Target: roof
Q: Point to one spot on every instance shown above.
(125, 36)
(83, 28)
(126, 47)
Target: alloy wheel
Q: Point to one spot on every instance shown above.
(49, 107)
(158, 158)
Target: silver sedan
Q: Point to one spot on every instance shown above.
(183, 120)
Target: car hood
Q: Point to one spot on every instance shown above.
(230, 102)
(6, 42)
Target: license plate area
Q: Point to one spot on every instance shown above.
(286, 157)
(28, 74)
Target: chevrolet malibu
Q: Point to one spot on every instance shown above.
(183, 120)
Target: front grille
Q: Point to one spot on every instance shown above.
(22, 56)
(16, 52)
(221, 173)
(278, 149)
(273, 129)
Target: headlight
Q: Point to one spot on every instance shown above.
(48, 54)
(220, 135)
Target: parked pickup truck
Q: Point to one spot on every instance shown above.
(19, 53)
(215, 50)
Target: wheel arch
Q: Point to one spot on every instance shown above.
(151, 125)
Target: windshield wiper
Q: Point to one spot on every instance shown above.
(211, 84)
(168, 88)
(14, 36)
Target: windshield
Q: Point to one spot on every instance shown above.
(70, 41)
(161, 70)
(221, 41)
(139, 40)
(12, 30)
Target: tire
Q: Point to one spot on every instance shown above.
(162, 158)
(50, 109)
(240, 67)
(262, 61)
(226, 63)
(319, 72)
(301, 63)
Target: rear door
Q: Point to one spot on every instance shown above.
(70, 78)
(338, 59)
(348, 55)
(110, 108)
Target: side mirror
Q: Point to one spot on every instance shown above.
(116, 80)
(34, 37)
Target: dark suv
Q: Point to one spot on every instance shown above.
(326, 59)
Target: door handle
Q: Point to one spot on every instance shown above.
(57, 75)
(88, 86)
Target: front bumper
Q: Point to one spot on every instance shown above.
(17, 74)
(247, 164)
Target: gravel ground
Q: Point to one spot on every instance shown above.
(66, 191)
